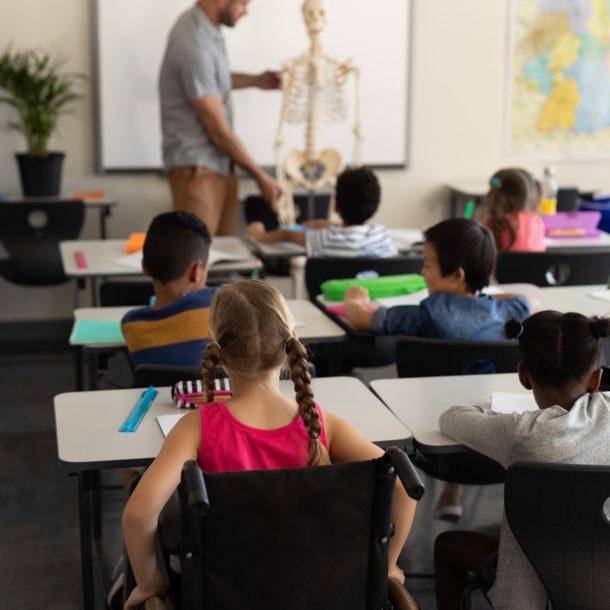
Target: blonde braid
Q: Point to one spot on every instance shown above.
(211, 358)
(301, 378)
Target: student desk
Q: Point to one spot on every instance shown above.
(405, 240)
(103, 205)
(88, 439)
(312, 327)
(101, 259)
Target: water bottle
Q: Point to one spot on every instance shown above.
(548, 203)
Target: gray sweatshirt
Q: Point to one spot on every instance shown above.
(578, 436)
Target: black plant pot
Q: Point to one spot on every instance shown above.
(40, 176)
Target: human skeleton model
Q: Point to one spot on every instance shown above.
(313, 87)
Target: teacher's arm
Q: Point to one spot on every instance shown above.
(264, 80)
(212, 114)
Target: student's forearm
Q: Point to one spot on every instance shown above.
(240, 80)
(358, 315)
(139, 534)
(403, 513)
(296, 237)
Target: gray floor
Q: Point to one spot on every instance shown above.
(39, 562)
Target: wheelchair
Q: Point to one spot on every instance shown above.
(298, 539)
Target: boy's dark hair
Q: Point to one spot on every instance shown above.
(464, 243)
(357, 195)
(556, 348)
(174, 241)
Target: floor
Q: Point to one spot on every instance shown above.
(39, 562)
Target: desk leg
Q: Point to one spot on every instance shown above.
(93, 292)
(85, 481)
(105, 212)
(97, 505)
(78, 367)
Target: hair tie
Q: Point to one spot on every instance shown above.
(287, 344)
(520, 331)
(212, 342)
(496, 182)
(597, 317)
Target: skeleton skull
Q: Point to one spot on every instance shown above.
(314, 14)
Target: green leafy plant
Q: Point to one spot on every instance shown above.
(39, 92)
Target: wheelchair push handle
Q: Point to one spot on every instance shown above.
(196, 491)
(406, 472)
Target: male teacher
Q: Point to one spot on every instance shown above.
(200, 148)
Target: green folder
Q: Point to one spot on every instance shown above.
(96, 331)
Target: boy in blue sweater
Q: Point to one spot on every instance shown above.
(174, 330)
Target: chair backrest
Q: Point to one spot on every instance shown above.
(318, 270)
(115, 293)
(301, 538)
(560, 516)
(164, 374)
(423, 357)
(31, 233)
(256, 209)
(555, 267)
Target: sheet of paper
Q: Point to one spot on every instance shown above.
(513, 402)
(404, 299)
(216, 256)
(96, 331)
(167, 422)
(405, 238)
(602, 295)
(131, 261)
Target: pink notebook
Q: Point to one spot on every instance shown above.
(339, 309)
(572, 224)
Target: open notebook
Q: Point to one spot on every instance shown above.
(134, 261)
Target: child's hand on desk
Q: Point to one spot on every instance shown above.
(356, 294)
(256, 230)
(316, 223)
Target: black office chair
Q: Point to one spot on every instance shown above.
(424, 357)
(31, 232)
(297, 538)
(568, 199)
(560, 516)
(116, 293)
(555, 267)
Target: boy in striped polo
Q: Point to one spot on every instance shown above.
(357, 197)
(174, 330)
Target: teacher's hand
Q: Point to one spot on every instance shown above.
(270, 190)
(268, 80)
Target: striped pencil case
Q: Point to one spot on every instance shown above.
(190, 394)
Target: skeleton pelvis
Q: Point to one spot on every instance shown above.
(313, 172)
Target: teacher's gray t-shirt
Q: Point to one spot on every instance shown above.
(195, 65)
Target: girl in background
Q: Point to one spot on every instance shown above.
(252, 334)
(511, 211)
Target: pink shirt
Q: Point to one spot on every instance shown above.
(529, 233)
(229, 445)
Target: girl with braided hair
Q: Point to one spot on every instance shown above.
(560, 361)
(252, 335)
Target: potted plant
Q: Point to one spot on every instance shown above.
(32, 83)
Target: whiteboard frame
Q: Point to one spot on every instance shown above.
(97, 113)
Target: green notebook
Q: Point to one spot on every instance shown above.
(97, 331)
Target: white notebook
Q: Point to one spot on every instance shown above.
(167, 422)
(513, 402)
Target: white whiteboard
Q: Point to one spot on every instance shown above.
(131, 37)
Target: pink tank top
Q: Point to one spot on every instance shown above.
(227, 444)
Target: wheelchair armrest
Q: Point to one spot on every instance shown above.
(406, 472)
(196, 491)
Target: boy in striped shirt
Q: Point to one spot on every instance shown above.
(357, 197)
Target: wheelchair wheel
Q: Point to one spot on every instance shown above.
(154, 603)
(400, 598)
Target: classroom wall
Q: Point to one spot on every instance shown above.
(457, 122)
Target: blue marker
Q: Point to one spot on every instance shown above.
(136, 415)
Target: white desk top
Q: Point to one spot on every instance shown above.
(101, 257)
(313, 325)
(403, 238)
(419, 401)
(601, 241)
(87, 423)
